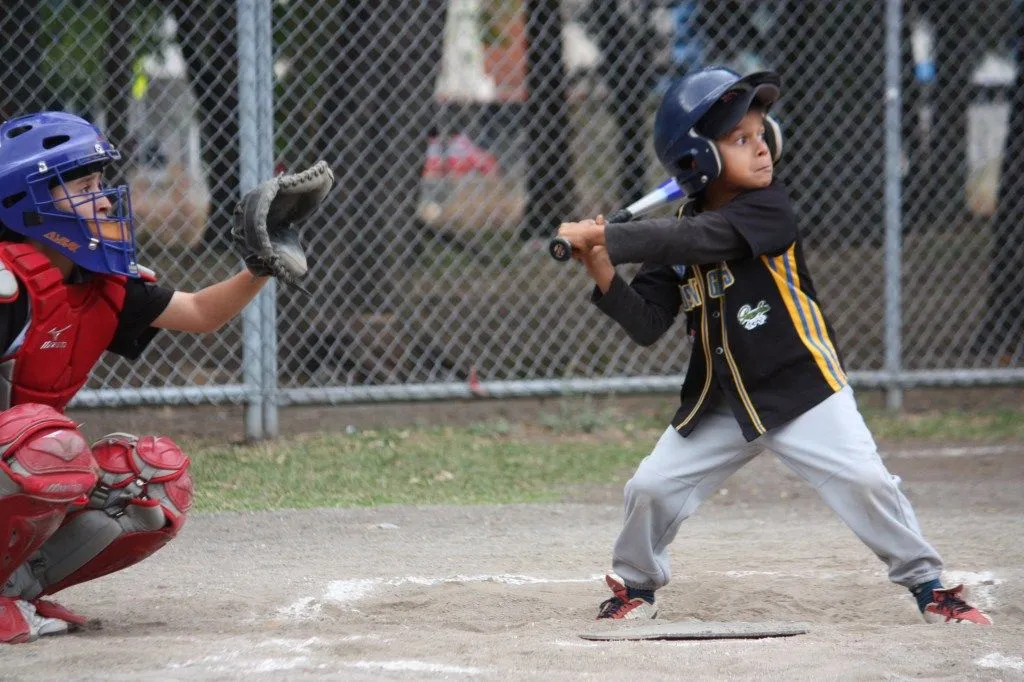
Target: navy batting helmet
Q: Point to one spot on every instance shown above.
(43, 151)
(702, 106)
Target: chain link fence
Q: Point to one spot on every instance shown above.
(462, 132)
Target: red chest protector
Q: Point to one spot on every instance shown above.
(71, 326)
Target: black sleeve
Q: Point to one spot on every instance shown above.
(647, 307)
(754, 223)
(13, 318)
(694, 240)
(765, 219)
(143, 303)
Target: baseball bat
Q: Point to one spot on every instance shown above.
(668, 191)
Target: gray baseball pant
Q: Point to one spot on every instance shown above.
(829, 446)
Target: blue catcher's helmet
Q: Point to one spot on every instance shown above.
(702, 106)
(40, 152)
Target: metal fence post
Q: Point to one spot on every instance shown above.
(249, 175)
(268, 297)
(893, 199)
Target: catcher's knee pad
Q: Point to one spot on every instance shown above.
(45, 467)
(139, 505)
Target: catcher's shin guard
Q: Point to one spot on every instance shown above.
(45, 467)
(138, 506)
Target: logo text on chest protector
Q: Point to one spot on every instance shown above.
(55, 341)
(752, 318)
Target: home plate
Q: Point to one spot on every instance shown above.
(699, 629)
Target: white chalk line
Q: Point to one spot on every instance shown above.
(1001, 662)
(348, 591)
(289, 654)
(416, 666)
(576, 645)
(245, 658)
(811, 575)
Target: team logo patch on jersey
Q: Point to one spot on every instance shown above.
(752, 318)
(719, 279)
(691, 295)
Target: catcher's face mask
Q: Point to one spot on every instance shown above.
(51, 191)
(101, 210)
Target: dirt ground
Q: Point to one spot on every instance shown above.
(502, 592)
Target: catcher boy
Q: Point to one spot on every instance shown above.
(71, 289)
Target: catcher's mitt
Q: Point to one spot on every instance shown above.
(265, 230)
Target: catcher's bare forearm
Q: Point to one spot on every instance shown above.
(221, 302)
(209, 309)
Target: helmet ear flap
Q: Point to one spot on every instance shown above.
(705, 165)
(773, 138)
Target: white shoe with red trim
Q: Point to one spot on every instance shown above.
(621, 607)
(19, 622)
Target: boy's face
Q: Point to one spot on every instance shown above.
(746, 160)
(80, 197)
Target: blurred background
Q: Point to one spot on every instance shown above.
(462, 132)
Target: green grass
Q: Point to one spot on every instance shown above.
(949, 426)
(491, 462)
(477, 464)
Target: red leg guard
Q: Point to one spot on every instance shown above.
(25, 524)
(150, 467)
(123, 551)
(139, 505)
(45, 467)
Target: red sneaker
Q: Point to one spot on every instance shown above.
(948, 607)
(621, 607)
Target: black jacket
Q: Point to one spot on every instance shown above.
(738, 272)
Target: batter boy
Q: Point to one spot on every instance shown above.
(764, 372)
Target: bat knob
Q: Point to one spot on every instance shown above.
(560, 249)
(623, 215)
